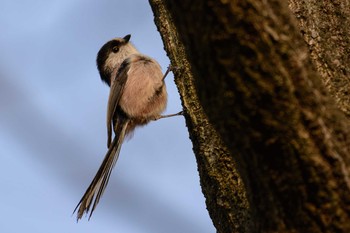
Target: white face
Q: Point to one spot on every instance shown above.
(115, 59)
(111, 56)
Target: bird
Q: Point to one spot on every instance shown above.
(137, 96)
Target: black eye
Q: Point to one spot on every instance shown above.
(115, 49)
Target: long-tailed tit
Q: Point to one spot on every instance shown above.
(137, 96)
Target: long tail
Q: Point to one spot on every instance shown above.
(99, 183)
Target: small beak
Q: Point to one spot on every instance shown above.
(127, 38)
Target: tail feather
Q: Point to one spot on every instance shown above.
(100, 181)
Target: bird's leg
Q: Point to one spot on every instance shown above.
(166, 72)
(170, 68)
(170, 115)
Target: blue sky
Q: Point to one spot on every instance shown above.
(53, 131)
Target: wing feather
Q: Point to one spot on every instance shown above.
(115, 93)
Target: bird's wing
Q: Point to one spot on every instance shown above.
(115, 93)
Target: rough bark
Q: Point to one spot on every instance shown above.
(221, 184)
(325, 28)
(257, 85)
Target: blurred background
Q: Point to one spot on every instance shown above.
(53, 130)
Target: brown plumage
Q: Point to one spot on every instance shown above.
(137, 96)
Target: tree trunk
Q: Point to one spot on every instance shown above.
(221, 184)
(255, 81)
(325, 26)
